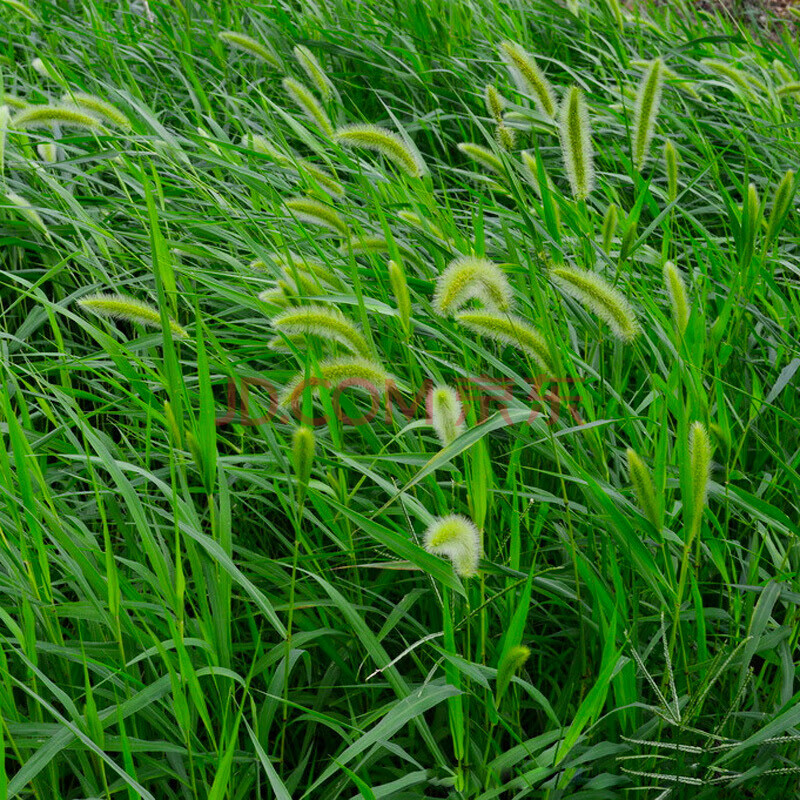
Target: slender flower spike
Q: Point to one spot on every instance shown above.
(600, 297)
(456, 537)
(678, 299)
(97, 106)
(495, 104)
(610, 223)
(390, 145)
(671, 166)
(397, 277)
(303, 98)
(446, 413)
(313, 69)
(511, 663)
(467, 278)
(118, 306)
(341, 373)
(315, 213)
(248, 45)
(329, 323)
(648, 99)
(642, 484)
(483, 155)
(576, 143)
(700, 456)
(781, 203)
(512, 330)
(303, 454)
(529, 77)
(41, 115)
(27, 211)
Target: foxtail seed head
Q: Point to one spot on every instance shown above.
(118, 306)
(529, 77)
(470, 277)
(600, 297)
(397, 278)
(671, 167)
(390, 145)
(357, 373)
(678, 299)
(610, 222)
(648, 99)
(576, 143)
(27, 211)
(48, 151)
(313, 212)
(446, 413)
(328, 323)
(303, 446)
(456, 537)
(248, 45)
(512, 330)
(314, 71)
(700, 456)
(495, 103)
(483, 155)
(303, 98)
(644, 489)
(40, 115)
(511, 663)
(97, 106)
(781, 203)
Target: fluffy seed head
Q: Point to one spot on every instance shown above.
(467, 278)
(315, 213)
(576, 143)
(788, 89)
(648, 98)
(390, 145)
(303, 98)
(644, 489)
(483, 155)
(512, 330)
(511, 663)
(303, 446)
(27, 211)
(671, 168)
(495, 104)
(118, 306)
(446, 413)
(610, 222)
(456, 537)
(678, 300)
(314, 71)
(46, 115)
(98, 107)
(357, 373)
(529, 77)
(781, 203)
(48, 151)
(600, 297)
(700, 456)
(329, 323)
(397, 278)
(262, 145)
(248, 45)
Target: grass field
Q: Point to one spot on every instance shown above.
(456, 457)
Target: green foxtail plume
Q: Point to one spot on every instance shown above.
(783, 73)
(787, 89)
(35, 116)
(644, 489)
(576, 143)
(676, 289)
(600, 297)
(48, 151)
(248, 45)
(313, 69)
(303, 446)
(529, 77)
(292, 261)
(303, 98)
(446, 413)
(648, 99)
(329, 323)
(27, 211)
(781, 203)
(506, 137)
(22, 9)
(495, 103)
(511, 663)
(313, 212)
(671, 168)
(262, 145)
(390, 145)
(483, 155)
(118, 306)
(700, 456)
(610, 223)
(467, 278)
(358, 373)
(512, 330)
(397, 278)
(737, 77)
(98, 107)
(456, 537)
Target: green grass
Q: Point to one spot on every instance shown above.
(188, 612)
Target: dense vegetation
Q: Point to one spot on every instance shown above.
(538, 536)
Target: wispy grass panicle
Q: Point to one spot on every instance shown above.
(600, 297)
(700, 452)
(576, 143)
(512, 330)
(529, 77)
(648, 99)
(303, 447)
(610, 223)
(643, 487)
(260, 144)
(787, 89)
(248, 44)
(512, 662)
(397, 279)
(341, 373)
(456, 537)
(678, 299)
(401, 152)
(671, 168)
(495, 103)
(313, 69)
(781, 203)
(446, 413)
(47, 115)
(470, 277)
(48, 152)
(313, 212)
(483, 155)
(118, 306)
(97, 106)
(27, 211)
(304, 99)
(326, 322)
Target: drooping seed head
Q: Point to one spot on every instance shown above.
(644, 489)
(118, 306)
(397, 278)
(326, 322)
(46, 115)
(495, 103)
(313, 212)
(781, 203)
(648, 99)
(247, 44)
(456, 537)
(511, 663)
(678, 299)
(314, 71)
(303, 98)
(576, 143)
(700, 456)
(97, 106)
(27, 211)
(303, 446)
(357, 373)
(483, 155)
(600, 297)
(529, 77)
(446, 413)
(671, 168)
(467, 278)
(401, 152)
